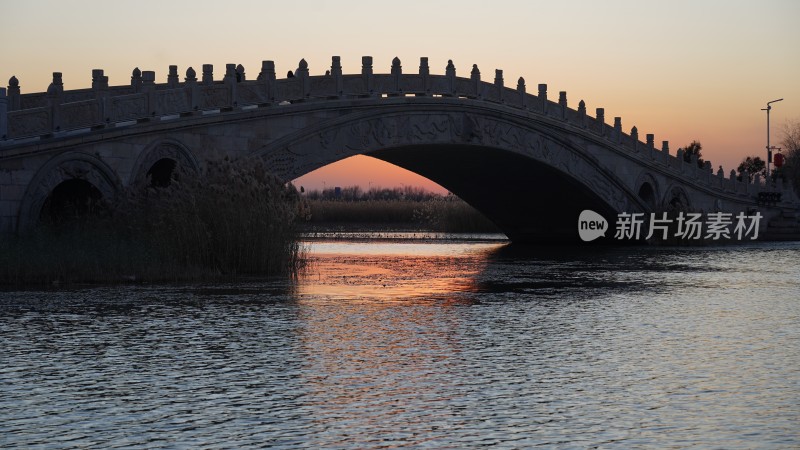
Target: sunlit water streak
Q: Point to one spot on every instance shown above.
(423, 343)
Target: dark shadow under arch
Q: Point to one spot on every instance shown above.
(528, 200)
(71, 201)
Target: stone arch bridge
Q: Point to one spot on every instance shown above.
(529, 163)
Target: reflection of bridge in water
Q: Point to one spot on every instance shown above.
(528, 163)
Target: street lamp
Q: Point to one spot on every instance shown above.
(769, 149)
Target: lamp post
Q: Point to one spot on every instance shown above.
(769, 149)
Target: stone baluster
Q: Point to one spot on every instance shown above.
(600, 116)
(425, 74)
(240, 75)
(732, 178)
(665, 153)
(562, 101)
(302, 77)
(475, 81)
(635, 137)
(366, 74)
(397, 75)
(190, 84)
(100, 87)
(173, 80)
(208, 74)
(498, 83)
(268, 77)
(230, 81)
(54, 97)
(336, 73)
(13, 94)
(617, 129)
(149, 89)
(745, 179)
(136, 80)
(450, 73)
(3, 114)
(543, 97)
(523, 97)
(582, 113)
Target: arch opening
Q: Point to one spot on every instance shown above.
(72, 201)
(162, 172)
(528, 200)
(648, 194)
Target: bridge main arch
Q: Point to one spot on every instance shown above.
(531, 179)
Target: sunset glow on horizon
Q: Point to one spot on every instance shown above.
(682, 70)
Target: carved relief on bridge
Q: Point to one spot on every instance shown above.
(158, 150)
(127, 107)
(67, 166)
(308, 150)
(29, 122)
(80, 114)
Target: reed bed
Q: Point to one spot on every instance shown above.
(233, 219)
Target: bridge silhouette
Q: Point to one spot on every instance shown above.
(528, 163)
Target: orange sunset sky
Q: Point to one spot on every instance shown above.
(683, 70)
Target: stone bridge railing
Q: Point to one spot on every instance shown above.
(36, 116)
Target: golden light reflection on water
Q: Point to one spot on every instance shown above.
(392, 271)
(375, 315)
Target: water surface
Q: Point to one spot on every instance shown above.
(423, 342)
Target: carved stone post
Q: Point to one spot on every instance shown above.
(230, 81)
(562, 101)
(617, 129)
(475, 81)
(172, 77)
(635, 137)
(3, 114)
(600, 115)
(366, 74)
(665, 152)
(543, 97)
(425, 73)
(190, 84)
(522, 95)
(450, 73)
(54, 95)
(100, 87)
(397, 74)
(301, 74)
(732, 180)
(136, 80)
(336, 73)
(498, 83)
(582, 113)
(208, 74)
(240, 76)
(267, 76)
(149, 89)
(13, 94)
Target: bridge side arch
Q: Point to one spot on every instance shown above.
(648, 190)
(676, 199)
(366, 132)
(160, 151)
(556, 173)
(63, 168)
